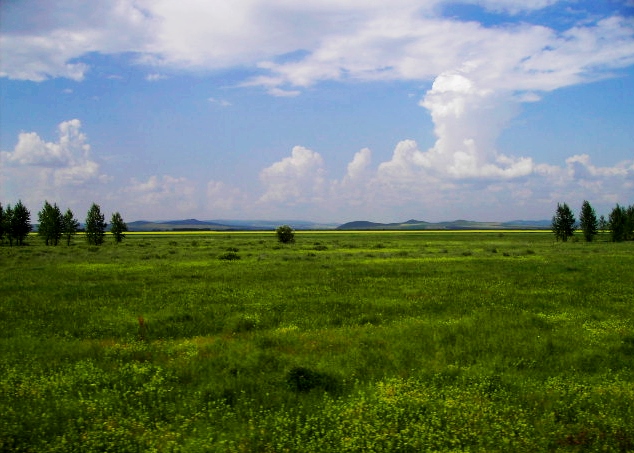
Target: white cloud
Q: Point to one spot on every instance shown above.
(295, 179)
(224, 200)
(220, 102)
(155, 77)
(359, 166)
(63, 170)
(512, 6)
(480, 75)
(47, 44)
(68, 159)
(279, 92)
(162, 195)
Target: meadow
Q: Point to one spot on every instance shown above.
(342, 342)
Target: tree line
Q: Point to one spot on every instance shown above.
(620, 223)
(15, 225)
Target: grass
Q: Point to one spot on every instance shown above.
(344, 341)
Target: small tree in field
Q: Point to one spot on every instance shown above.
(285, 234)
(19, 223)
(618, 224)
(95, 225)
(563, 224)
(70, 225)
(2, 220)
(118, 227)
(51, 223)
(603, 224)
(588, 221)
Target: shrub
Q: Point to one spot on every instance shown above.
(229, 256)
(285, 234)
(301, 379)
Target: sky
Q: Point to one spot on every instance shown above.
(321, 110)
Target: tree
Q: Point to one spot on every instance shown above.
(629, 223)
(621, 223)
(603, 224)
(6, 223)
(118, 227)
(70, 225)
(95, 225)
(588, 221)
(617, 223)
(20, 223)
(2, 227)
(51, 223)
(285, 234)
(563, 224)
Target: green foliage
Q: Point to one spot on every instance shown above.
(411, 346)
(118, 227)
(95, 225)
(563, 224)
(51, 223)
(70, 225)
(588, 221)
(229, 256)
(621, 223)
(285, 234)
(302, 379)
(2, 223)
(17, 221)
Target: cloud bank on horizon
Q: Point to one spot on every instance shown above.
(479, 61)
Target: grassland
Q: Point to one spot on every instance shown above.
(375, 341)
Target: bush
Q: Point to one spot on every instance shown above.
(229, 256)
(285, 234)
(301, 379)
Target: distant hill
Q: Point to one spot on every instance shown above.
(269, 225)
(452, 225)
(176, 225)
(222, 225)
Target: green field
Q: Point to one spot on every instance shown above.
(374, 341)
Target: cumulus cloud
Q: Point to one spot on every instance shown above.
(48, 44)
(479, 78)
(512, 6)
(225, 200)
(68, 160)
(52, 170)
(176, 193)
(296, 179)
(410, 179)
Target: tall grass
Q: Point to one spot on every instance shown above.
(340, 342)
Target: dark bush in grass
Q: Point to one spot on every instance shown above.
(301, 380)
(229, 256)
(285, 234)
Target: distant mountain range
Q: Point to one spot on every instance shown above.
(225, 225)
(452, 225)
(255, 225)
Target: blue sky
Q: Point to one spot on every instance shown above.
(320, 110)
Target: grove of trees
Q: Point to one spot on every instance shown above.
(620, 223)
(15, 224)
